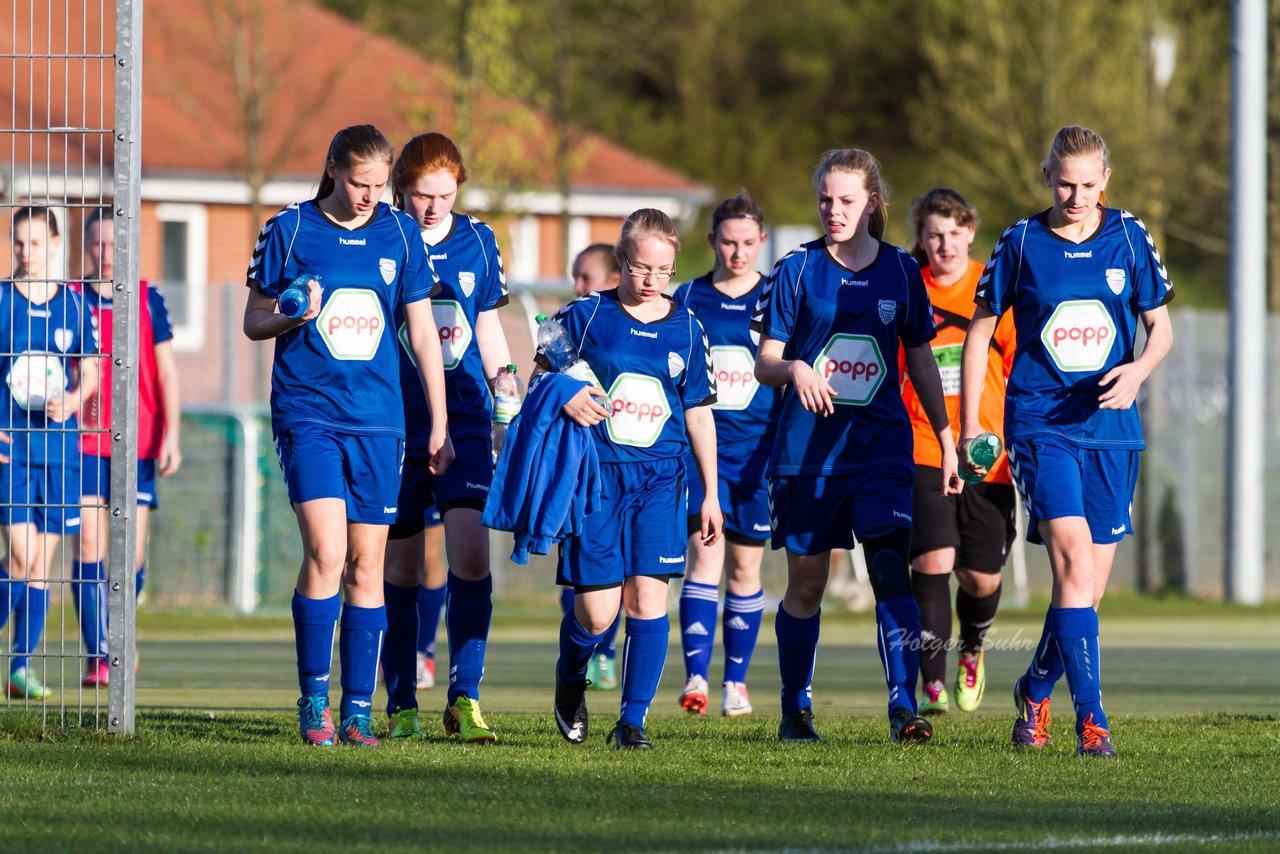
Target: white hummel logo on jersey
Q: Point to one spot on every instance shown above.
(637, 332)
(1119, 530)
(677, 559)
(390, 509)
(730, 307)
(696, 629)
(1070, 254)
(737, 623)
(756, 526)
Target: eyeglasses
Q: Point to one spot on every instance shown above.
(643, 273)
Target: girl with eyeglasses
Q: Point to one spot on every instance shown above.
(651, 355)
(745, 414)
(832, 316)
(1078, 278)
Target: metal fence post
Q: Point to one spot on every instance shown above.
(121, 596)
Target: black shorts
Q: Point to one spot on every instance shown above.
(977, 523)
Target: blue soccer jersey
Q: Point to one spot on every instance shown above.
(847, 324)
(1076, 309)
(745, 410)
(652, 372)
(472, 280)
(340, 372)
(40, 344)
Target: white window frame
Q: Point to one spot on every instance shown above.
(189, 335)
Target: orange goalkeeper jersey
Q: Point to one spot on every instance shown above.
(952, 310)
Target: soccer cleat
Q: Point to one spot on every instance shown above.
(694, 697)
(98, 673)
(1094, 740)
(971, 681)
(935, 699)
(425, 675)
(403, 723)
(797, 728)
(628, 737)
(357, 731)
(23, 683)
(734, 700)
(571, 710)
(593, 670)
(905, 727)
(1031, 729)
(315, 720)
(606, 673)
(463, 718)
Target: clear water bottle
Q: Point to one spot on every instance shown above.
(506, 406)
(296, 298)
(983, 451)
(554, 344)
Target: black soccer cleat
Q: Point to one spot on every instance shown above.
(797, 727)
(906, 727)
(625, 736)
(571, 710)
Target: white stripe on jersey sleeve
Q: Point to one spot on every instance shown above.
(274, 222)
(1151, 244)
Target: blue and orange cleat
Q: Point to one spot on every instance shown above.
(357, 731)
(1031, 729)
(1094, 740)
(315, 721)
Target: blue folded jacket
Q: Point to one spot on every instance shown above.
(548, 477)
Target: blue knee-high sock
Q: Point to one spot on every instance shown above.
(609, 640)
(314, 621)
(430, 607)
(1046, 665)
(642, 659)
(140, 579)
(468, 611)
(698, 606)
(28, 625)
(742, 616)
(898, 631)
(90, 596)
(797, 653)
(399, 657)
(359, 647)
(566, 599)
(1076, 631)
(577, 645)
(11, 591)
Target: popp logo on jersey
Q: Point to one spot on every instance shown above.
(640, 410)
(455, 331)
(351, 324)
(736, 383)
(1079, 335)
(852, 364)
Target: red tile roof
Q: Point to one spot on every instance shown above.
(318, 72)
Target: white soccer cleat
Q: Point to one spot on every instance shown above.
(734, 700)
(425, 675)
(694, 697)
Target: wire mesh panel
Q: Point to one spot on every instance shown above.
(71, 241)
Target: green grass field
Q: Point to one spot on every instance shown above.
(1191, 689)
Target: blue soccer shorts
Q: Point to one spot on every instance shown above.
(813, 514)
(1056, 478)
(95, 479)
(639, 530)
(744, 500)
(364, 471)
(44, 494)
(467, 480)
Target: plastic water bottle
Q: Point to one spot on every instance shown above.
(554, 344)
(983, 451)
(296, 299)
(506, 406)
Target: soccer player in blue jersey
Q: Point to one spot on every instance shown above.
(336, 409)
(47, 340)
(1078, 278)
(473, 286)
(595, 269)
(653, 360)
(745, 414)
(832, 316)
